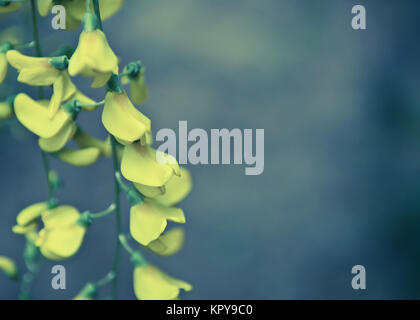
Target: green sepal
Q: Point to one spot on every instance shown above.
(90, 22)
(59, 63)
(72, 107)
(85, 219)
(114, 84)
(133, 69)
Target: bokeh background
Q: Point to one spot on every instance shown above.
(341, 113)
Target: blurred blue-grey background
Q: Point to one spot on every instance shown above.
(341, 113)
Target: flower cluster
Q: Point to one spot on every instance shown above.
(157, 182)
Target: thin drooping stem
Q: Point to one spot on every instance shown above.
(104, 213)
(117, 192)
(31, 252)
(41, 95)
(36, 39)
(117, 189)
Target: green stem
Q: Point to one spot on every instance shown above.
(105, 280)
(41, 94)
(31, 253)
(97, 12)
(124, 242)
(117, 191)
(97, 104)
(104, 213)
(36, 39)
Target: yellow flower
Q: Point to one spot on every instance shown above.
(64, 90)
(123, 120)
(8, 266)
(62, 234)
(79, 158)
(6, 109)
(93, 57)
(152, 284)
(59, 140)
(76, 8)
(8, 6)
(32, 70)
(138, 87)
(173, 192)
(35, 116)
(139, 164)
(168, 243)
(149, 219)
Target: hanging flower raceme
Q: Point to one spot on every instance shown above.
(63, 232)
(76, 8)
(134, 74)
(8, 266)
(93, 57)
(7, 6)
(122, 119)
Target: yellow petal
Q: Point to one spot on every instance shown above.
(149, 219)
(63, 89)
(138, 88)
(3, 66)
(122, 119)
(168, 243)
(44, 7)
(152, 284)
(6, 110)
(60, 216)
(31, 213)
(18, 229)
(149, 192)
(79, 158)
(84, 140)
(33, 70)
(173, 192)
(139, 165)
(58, 141)
(61, 243)
(34, 116)
(93, 57)
(8, 266)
